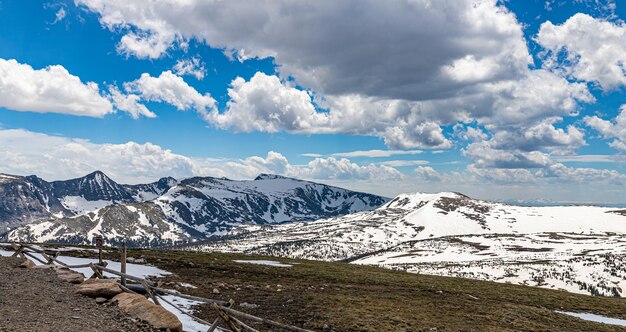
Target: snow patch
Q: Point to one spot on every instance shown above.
(263, 262)
(79, 205)
(595, 318)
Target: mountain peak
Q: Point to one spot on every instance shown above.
(264, 176)
(96, 173)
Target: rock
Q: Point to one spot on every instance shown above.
(101, 300)
(139, 307)
(27, 264)
(99, 288)
(248, 305)
(70, 276)
(135, 260)
(216, 291)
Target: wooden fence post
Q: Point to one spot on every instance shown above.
(123, 263)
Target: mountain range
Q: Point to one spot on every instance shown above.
(164, 212)
(576, 248)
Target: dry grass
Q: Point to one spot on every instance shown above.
(346, 297)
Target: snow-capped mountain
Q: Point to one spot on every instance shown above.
(25, 199)
(171, 211)
(578, 248)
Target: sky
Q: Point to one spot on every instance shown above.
(503, 100)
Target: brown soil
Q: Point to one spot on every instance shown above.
(36, 300)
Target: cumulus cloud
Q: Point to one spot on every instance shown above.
(171, 89)
(586, 48)
(56, 157)
(611, 129)
(264, 103)
(49, 90)
(460, 34)
(193, 67)
(484, 155)
(129, 103)
(428, 173)
(469, 133)
(267, 104)
(541, 136)
(343, 169)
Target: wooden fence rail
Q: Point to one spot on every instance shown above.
(233, 318)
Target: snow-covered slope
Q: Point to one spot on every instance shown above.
(171, 211)
(452, 234)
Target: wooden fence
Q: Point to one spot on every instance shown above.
(234, 319)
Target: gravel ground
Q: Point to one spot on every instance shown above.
(36, 300)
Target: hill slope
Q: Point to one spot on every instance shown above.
(578, 248)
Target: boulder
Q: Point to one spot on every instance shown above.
(101, 300)
(99, 288)
(139, 307)
(70, 276)
(27, 264)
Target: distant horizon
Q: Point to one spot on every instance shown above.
(500, 100)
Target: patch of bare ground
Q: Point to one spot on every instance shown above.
(37, 300)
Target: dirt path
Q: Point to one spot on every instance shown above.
(36, 300)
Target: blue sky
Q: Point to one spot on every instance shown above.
(498, 99)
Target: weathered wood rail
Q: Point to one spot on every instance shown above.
(234, 319)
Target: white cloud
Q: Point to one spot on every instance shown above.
(611, 129)
(485, 156)
(49, 90)
(59, 15)
(541, 136)
(57, 157)
(583, 175)
(594, 49)
(426, 134)
(591, 158)
(265, 104)
(343, 169)
(193, 67)
(129, 103)
(427, 173)
(376, 59)
(469, 133)
(172, 89)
